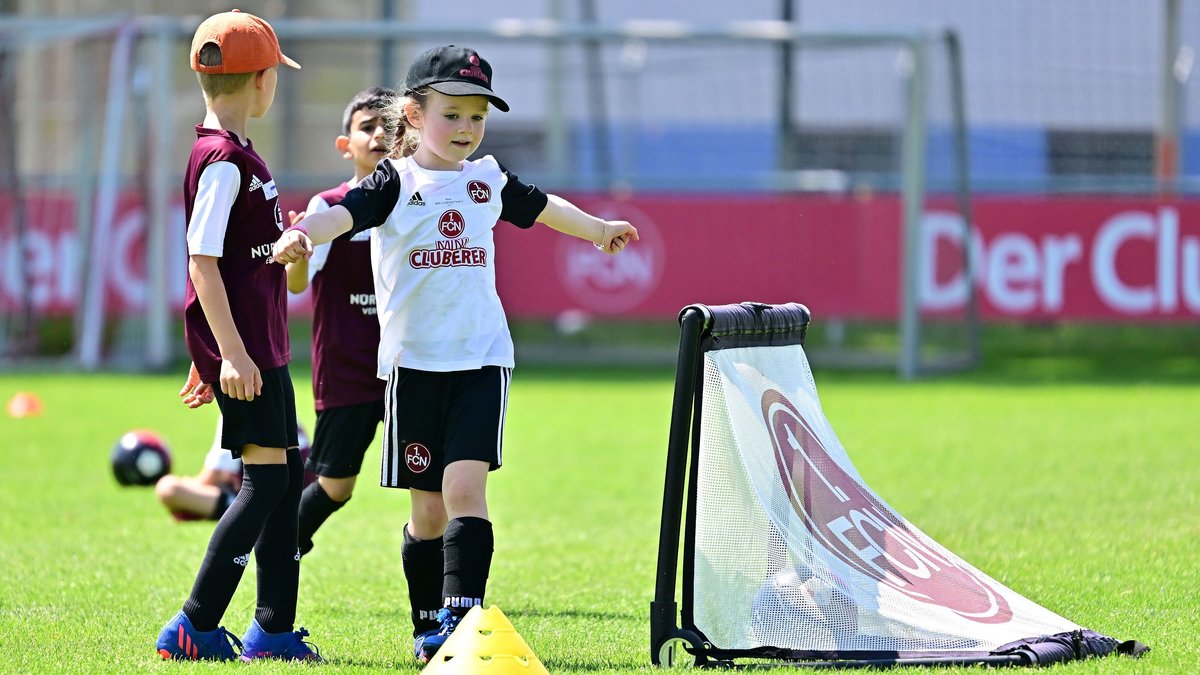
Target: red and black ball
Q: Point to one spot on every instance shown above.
(140, 457)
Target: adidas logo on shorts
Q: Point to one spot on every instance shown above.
(416, 200)
(242, 560)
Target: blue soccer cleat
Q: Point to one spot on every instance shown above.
(179, 639)
(288, 646)
(427, 643)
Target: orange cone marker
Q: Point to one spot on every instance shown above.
(24, 404)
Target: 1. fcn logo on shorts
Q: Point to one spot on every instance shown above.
(417, 457)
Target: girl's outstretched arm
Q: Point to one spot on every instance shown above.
(296, 242)
(609, 236)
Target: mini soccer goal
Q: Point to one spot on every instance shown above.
(788, 556)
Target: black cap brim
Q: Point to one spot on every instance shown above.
(468, 89)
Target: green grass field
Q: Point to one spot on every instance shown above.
(1075, 490)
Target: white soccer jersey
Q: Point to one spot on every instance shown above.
(434, 260)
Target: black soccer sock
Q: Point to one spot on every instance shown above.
(315, 508)
(224, 501)
(278, 558)
(263, 486)
(468, 553)
(423, 569)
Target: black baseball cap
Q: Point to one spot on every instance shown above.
(454, 71)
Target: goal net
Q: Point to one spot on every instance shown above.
(839, 157)
(82, 279)
(788, 553)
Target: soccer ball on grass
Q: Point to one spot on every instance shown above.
(140, 457)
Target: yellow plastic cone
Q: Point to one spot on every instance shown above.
(484, 643)
(24, 404)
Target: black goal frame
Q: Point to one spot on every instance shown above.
(674, 638)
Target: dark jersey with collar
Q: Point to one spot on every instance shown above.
(256, 288)
(345, 325)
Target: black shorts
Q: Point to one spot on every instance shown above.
(433, 419)
(342, 437)
(269, 420)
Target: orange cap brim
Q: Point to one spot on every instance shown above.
(288, 61)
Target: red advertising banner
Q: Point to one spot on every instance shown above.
(1091, 258)
(834, 253)
(1037, 258)
(1076, 258)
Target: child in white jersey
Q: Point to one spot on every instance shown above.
(345, 330)
(445, 348)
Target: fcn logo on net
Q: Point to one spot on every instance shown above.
(864, 533)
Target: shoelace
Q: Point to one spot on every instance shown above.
(231, 639)
(449, 624)
(303, 633)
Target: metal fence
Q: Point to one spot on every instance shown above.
(95, 111)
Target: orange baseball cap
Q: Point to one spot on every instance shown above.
(248, 44)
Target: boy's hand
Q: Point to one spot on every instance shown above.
(618, 234)
(240, 378)
(195, 393)
(292, 246)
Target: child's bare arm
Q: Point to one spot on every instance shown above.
(609, 236)
(240, 378)
(297, 272)
(296, 242)
(297, 276)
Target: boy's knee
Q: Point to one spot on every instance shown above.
(338, 489)
(268, 483)
(167, 489)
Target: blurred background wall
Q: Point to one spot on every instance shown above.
(763, 168)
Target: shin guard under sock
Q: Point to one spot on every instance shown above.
(315, 507)
(263, 486)
(423, 569)
(468, 553)
(278, 558)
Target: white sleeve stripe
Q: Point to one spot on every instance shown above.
(217, 190)
(321, 252)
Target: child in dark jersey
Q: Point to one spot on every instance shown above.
(347, 394)
(445, 348)
(235, 325)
